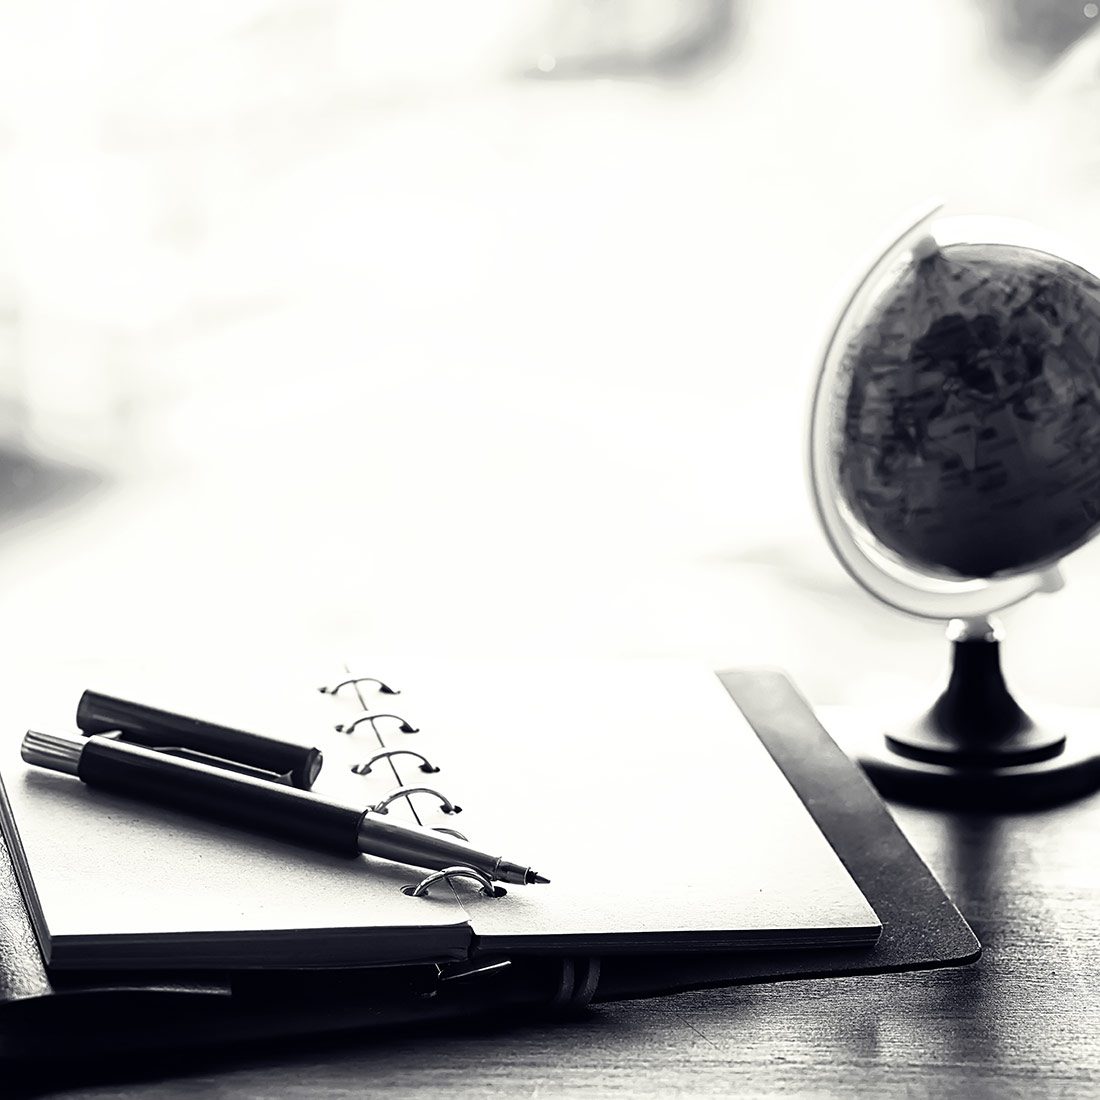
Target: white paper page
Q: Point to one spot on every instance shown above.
(115, 877)
(640, 790)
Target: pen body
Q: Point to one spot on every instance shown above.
(258, 805)
(209, 791)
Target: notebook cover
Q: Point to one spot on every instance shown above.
(921, 929)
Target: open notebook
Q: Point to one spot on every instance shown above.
(637, 787)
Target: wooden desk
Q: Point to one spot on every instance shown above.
(1023, 1021)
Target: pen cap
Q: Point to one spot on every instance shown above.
(161, 729)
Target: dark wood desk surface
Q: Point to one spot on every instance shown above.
(1022, 1022)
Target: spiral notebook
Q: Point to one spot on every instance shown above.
(638, 787)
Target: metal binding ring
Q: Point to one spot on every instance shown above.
(365, 767)
(450, 832)
(349, 727)
(449, 873)
(448, 806)
(383, 689)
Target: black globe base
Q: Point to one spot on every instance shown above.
(976, 748)
(1074, 773)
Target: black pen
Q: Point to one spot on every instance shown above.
(272, 808)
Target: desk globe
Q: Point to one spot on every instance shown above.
(955, 460)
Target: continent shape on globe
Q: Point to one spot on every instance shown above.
(967, 414)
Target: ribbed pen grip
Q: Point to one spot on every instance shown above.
(59, 752)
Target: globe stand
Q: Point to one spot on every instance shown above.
(976, 748)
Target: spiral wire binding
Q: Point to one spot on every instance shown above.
(366, 716)
(355, 681)
(448, 874)
(388, 754)
(445, 804)
(420, 889)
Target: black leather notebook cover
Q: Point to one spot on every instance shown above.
(104, 1013)
(921, 928)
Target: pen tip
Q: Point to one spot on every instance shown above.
(533, 877)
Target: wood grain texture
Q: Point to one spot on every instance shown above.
(1022, 1022)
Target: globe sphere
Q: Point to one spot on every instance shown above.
(966, 411)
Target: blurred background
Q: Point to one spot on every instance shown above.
(411, 326)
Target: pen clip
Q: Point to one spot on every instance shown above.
(221, 762)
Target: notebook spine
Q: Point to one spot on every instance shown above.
(386, 724)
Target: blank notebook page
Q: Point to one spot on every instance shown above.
(641, 791)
